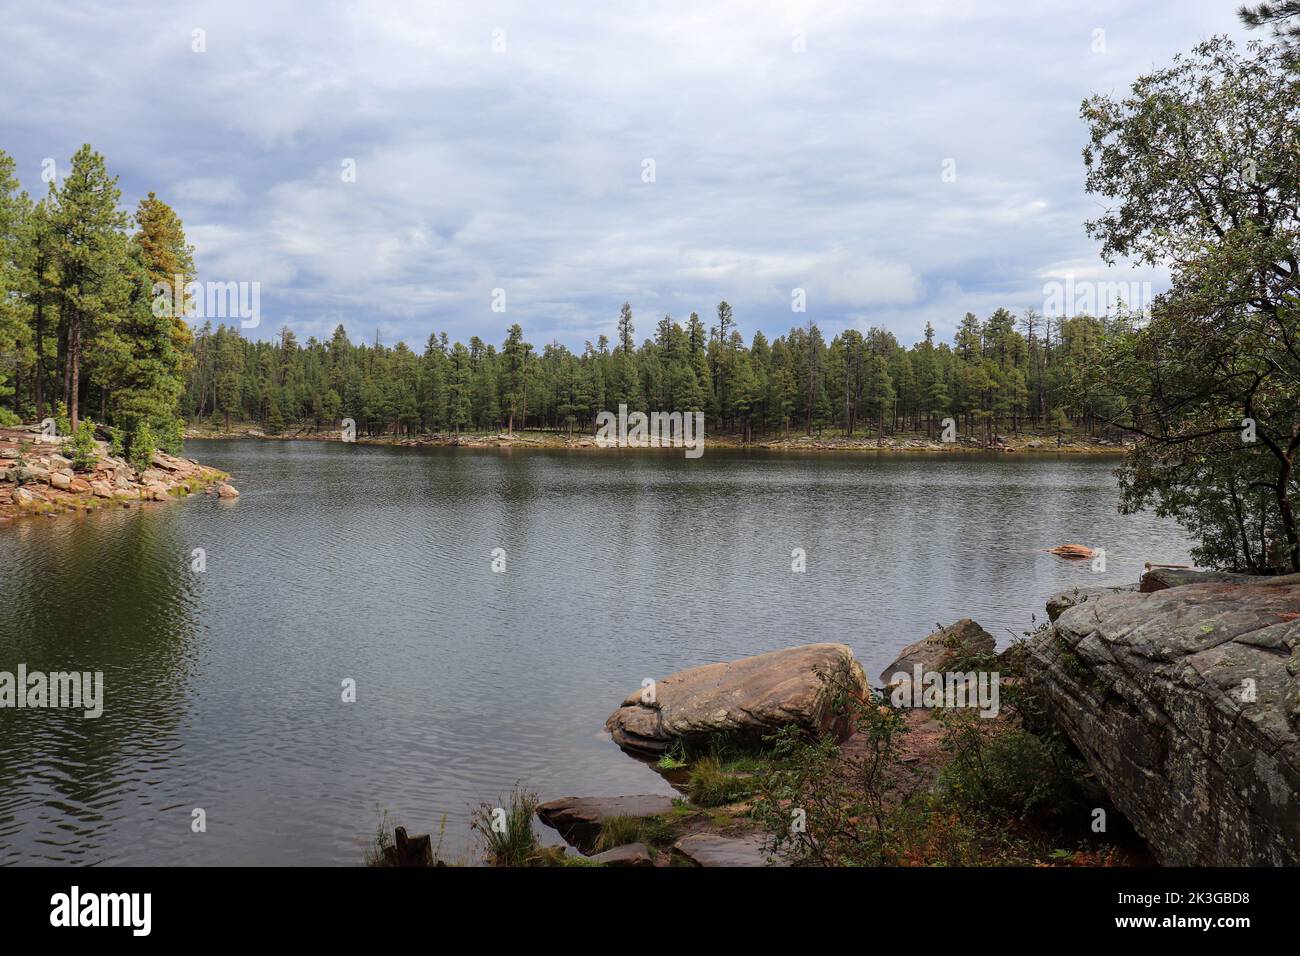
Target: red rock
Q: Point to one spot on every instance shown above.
(744, 700)
(1075, 552)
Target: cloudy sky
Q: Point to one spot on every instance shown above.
(507, 146)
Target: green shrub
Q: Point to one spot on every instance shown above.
(711, 785)
(821, 805)
(171, 435)
(507, 833)
(141, 444)
(8, 419)
(622, 830)
(81, 447)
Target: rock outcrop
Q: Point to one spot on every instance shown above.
(742, 701)
(1186, 704)
(36, 478)
(935, 652)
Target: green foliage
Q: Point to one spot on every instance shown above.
(712, 785)
(141, 443)
(516, 843)
(1201, 163)
(1010, 787)
(81, 448)
(171, 435)
(8, 419)
(823, 805)
(1002, 772)
(1005, 375)
(622, 830)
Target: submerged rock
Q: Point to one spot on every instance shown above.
(1075, 552)
(743, 701)
(1186, 704)
(227, 491)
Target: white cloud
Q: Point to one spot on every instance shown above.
(775, 169)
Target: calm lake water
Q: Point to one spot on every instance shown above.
(342, 561)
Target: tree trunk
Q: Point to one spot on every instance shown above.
(74, 370)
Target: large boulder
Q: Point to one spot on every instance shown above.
(1186, 704)
(741, 701)
(935, 652)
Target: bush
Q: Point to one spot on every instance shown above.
(712, 785)
(171, 436)
(622, 830)
(141, 444)
(826, 806)
(8, 419)
(507, 834)
(81, 447)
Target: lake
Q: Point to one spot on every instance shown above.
(375, 564)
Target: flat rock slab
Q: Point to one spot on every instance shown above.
(629, 854)
(579, 819)
(1158, 579)
(711, 849)
(743, 700)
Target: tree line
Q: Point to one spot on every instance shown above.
(999, 375)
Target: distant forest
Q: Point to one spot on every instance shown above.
(82, 337)
(999, 375)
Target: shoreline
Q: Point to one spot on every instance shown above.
(1022, 444)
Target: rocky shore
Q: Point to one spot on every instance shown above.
(39, 477)
(1176, 701)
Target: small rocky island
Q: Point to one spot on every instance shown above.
(40, 476)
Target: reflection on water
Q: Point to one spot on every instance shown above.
(343, 561)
